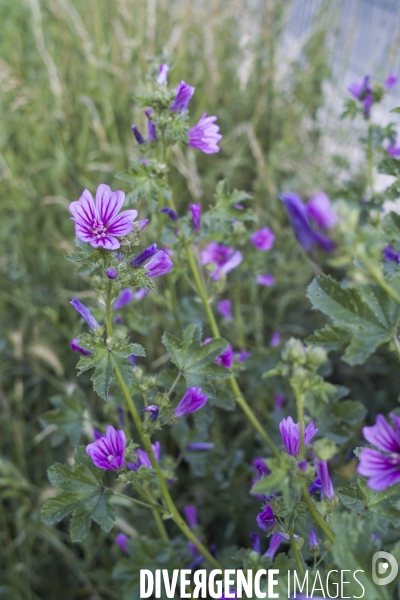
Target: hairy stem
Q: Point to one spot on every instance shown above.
(296, 553)
(153, 507)
(318, 520)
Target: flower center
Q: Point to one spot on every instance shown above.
(111, 457)
(394, 458)
(99, 229)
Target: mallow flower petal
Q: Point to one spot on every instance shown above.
(108, 203)
(123, 223)
(108, 242)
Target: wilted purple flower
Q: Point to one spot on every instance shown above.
(132, 359)
(255, 541)
(162, 73)
(191, 516)
(195, 209)
(118, 320)
(143, 256)
(204, 136)
(390, 255)
(321, 467)
(241, 356)
(393, 150)
(298, 214)
(159, 264)
(183, 96)
(84, 313)
(143, 459)
(125, 297)
(383, 470)
(278, 400)
(263, 239)
(276, 540)
(291, 436)
(276, 339)
(138, 136)
(108, 451)
(111, 273)
(142, 224)
(302, 464)
(171, 213)
(391, 81)
(224, 308)
(75, 346)
(140, 294)
(200, 446)
(153, 411)
(122, 541)
(315, 487)
(319, 208)
(313, 542)
(362, 90)
(226, 358)
(100, 223)
(223, 257)
(267, 280)
(193, 400)
(266, 519)
(151, 127)
(261, 467)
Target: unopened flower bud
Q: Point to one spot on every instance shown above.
(294, 352)
(316, 356)
(112, 274)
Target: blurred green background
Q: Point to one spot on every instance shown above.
(274, 72)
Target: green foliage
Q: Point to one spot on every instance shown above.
(147, 183)
(220, 216)
(195, 359)
(105, 358)
(82, 495)
(67, 418)
(363, 318)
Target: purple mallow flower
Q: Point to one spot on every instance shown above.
(204, 136)
(241, 356)
(275, 339)
(255, 541)
(390, 255)
(313, 542)
(152, 411)
(125, 297)
(224, 308)
(143, 459)
(171, 213)
(191, 516)
(108, 451)
(141, 224)
(260, 466)
(159, 264)
(195, 209)
(183, 96)
(84, 313)
(224, 258)
(75, 346)
(151, 127)
(322, 471)
(320, 210)
(143, 256)
(390, 81)
(162, 73)
(140, 294)
(122, 541)
(393, 150)
(200, 446)
(226, 358)
(267, 280)
(111, 273)
(291, 435)
(276, 540)
(303, 231)
(100, 224)
(138, 136)
(278, 401)
(193, 400)
(263, 239)
(266, 519)
(382, 466)
(362, 91)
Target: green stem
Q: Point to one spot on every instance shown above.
(370, 162)
(161, 526)
(108, 308)
(396, 344)
(152, 507)
(315, 514)
(296, 553)
(238, 396)
(175, 383)
(163, 485)
(377, 276)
